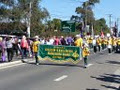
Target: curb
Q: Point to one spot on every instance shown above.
(10, 63)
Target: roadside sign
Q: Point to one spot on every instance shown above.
(68, 26)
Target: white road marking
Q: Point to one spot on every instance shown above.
(60, 78)
(11, 66)
(116, 85)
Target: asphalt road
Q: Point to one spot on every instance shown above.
(103, 74)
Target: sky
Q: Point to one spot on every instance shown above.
(64, 9)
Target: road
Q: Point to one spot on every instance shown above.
(103, 74)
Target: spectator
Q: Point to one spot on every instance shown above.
(56, 41)
(63, 41)
(24, 47)
(9, 47)
(1, 50)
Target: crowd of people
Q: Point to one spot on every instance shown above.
(26, 47)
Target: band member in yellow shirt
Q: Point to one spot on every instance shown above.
(35, 48)
(85, 53)
(109, 43)
(114, 44)
(79, 41)
(99, 43)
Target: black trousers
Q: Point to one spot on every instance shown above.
(99, 48)
(85, 60)
(109, 50)
(95, 49)
(36, 57)
(113, 48)
(10, 54)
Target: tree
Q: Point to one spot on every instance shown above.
(18, 14)
(100, 25)
(86, 12)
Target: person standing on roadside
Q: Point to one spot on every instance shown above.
(1, 49)
(24, 47)
(35, 49)
(4, 49)
(62, 40)
(15, 46)
(9, 46)
(56, 41)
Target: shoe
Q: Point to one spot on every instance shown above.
(23, 61)
(37, 64)
(86, 66)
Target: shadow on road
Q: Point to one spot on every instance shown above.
(52, 64)
(92, 89)
(110, 87)
(112, 78)
(113, 62)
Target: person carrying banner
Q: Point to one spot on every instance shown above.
(35, 48)
(85, 53)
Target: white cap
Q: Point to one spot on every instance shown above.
(36, 37)
(77, 35)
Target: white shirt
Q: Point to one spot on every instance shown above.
(94, 42)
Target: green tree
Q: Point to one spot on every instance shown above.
(100, 25)
(86, 11)
(18, 13)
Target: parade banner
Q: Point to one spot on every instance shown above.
(60, 53)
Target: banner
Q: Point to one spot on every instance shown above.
(60, 53)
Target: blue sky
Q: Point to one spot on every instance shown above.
(63, 9)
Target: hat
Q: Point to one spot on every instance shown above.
(36, 37)
(77, 35)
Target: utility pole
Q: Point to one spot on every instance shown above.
(117, 22)
(85, 17)
(29, 20)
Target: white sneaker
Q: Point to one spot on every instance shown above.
(85, 66)
(37, 64)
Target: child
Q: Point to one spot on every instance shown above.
(85, 53)
(35, 49)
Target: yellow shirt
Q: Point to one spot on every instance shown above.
(79, 42)
(85, 52)
(105, 41)
(90, 40)
(35, 46)
(118, 42)
(99, 41)
(109, 42)
(114, 42)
